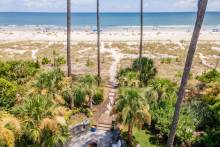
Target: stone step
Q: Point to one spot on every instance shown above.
(105, 127)
(112, 90)
(111, 94)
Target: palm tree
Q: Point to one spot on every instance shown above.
(148, 70)
(132, 109)
(89, 86)
(129, 79)
(10, 129)
(160, 89)
(141, 30)
(68, 37)
(41, 126)
(202, 4)
(98, 43)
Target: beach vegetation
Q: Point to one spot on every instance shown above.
(209, 76)
(60, 61)
(19, 71)
(7, 93)
(146, 68)
(45, 61)
(132, 110)
(89, 62)
(49, 80)
(166, 60)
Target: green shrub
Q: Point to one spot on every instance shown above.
(123, 72)
(86, 111)
(166, 60)
(147, 68)
(211, 138)
(60, 61)
(89, 63)
(162, 114)
(88, 79)
(45, 61)
(79, 95)
(98, 97)
(209, 76)
(179, 74)
(7, 93)
(130, 79)
(19, 71)
(50, 80)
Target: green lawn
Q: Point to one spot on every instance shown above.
(143, 138)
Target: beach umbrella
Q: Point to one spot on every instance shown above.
(69, 38)
(202, 4)
(98, 42)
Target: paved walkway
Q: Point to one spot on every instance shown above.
(103, 138)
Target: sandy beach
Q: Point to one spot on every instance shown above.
(119, 46)
(125, 34)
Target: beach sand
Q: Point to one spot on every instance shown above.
(119, 46)
(112, 34)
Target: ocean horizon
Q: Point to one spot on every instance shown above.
(113, 19)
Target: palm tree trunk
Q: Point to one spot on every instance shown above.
(217, 62)
(90, 102)
(130, 131)
(141, 39)
(202, 4)
(71, 102)
(141, 30)
(159, 96)
(68, 37)
(98, 43)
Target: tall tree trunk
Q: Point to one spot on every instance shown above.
(202, 4)
(130, 132)
(71, 102)
(90, 102)
(217, 62)
(98, 43)
(159, 96)
(141, 39)
(68, 38)
(141, 29)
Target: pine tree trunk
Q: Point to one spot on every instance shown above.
(98, 43)
(68, 38)
(200, 17)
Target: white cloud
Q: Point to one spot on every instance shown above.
(83, 2)
(214, 5)
(106, 5)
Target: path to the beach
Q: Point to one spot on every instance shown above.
(103, 136)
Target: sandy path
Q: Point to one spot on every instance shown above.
(204, 62)
(34, 54)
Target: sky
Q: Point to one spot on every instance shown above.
(105, 5)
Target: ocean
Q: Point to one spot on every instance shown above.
(107, 19)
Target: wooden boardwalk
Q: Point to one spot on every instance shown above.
(105, 120)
